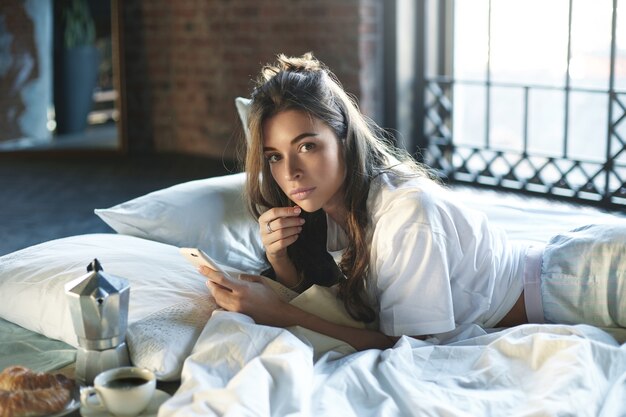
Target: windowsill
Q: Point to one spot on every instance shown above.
(103, 137)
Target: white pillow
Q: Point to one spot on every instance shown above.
(209, 214)
(243, 108)
(169, 302)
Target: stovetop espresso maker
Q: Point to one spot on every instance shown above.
(99, 308)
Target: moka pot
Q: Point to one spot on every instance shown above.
(99, 308)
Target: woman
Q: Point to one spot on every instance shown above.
(323, 180)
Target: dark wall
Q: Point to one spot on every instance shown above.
(186, 61)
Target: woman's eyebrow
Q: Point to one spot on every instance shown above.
(294, 140)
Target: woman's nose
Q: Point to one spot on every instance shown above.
(293, 169)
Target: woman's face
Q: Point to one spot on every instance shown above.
(306, 160)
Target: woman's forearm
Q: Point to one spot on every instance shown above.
(360, 339)
(285, 271)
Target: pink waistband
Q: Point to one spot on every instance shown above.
(532, 284)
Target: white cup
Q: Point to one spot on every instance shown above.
(124, 391)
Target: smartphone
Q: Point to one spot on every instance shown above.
(199, 258)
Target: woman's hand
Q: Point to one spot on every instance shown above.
(280, 227)
(248, 295)
(251, 296)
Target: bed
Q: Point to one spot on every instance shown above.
(221, 363)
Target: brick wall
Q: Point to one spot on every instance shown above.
(187, 60)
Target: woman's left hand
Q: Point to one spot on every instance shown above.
(248, 295)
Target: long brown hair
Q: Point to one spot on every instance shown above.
(305, 84)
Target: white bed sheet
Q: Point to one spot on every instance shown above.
(239, 368)
(531, 218)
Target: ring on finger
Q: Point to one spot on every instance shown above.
(269, 228)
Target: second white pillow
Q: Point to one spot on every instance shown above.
(209, 214)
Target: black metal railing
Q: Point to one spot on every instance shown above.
(602, 182)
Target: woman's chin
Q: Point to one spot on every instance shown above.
(309, 208)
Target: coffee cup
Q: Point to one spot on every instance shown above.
(123, 392)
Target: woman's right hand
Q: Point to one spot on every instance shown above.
(280, 227)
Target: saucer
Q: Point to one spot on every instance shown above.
(158, 398)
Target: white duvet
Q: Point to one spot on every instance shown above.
(240, 368)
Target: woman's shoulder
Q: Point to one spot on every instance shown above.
(415, 199)
(394, 191)
(389, 186)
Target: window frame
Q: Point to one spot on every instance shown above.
(434, 136)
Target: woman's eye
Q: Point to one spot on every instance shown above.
(271, 158)
(306, 147)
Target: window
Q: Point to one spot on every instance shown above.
(528, 95)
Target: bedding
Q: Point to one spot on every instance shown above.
(168, 305)
(239, 368)
(229, 365)
(19, 346)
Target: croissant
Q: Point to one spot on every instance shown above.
(31, 403)
(24, 393)
(16, 378)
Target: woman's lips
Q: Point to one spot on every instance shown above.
(301, 193)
